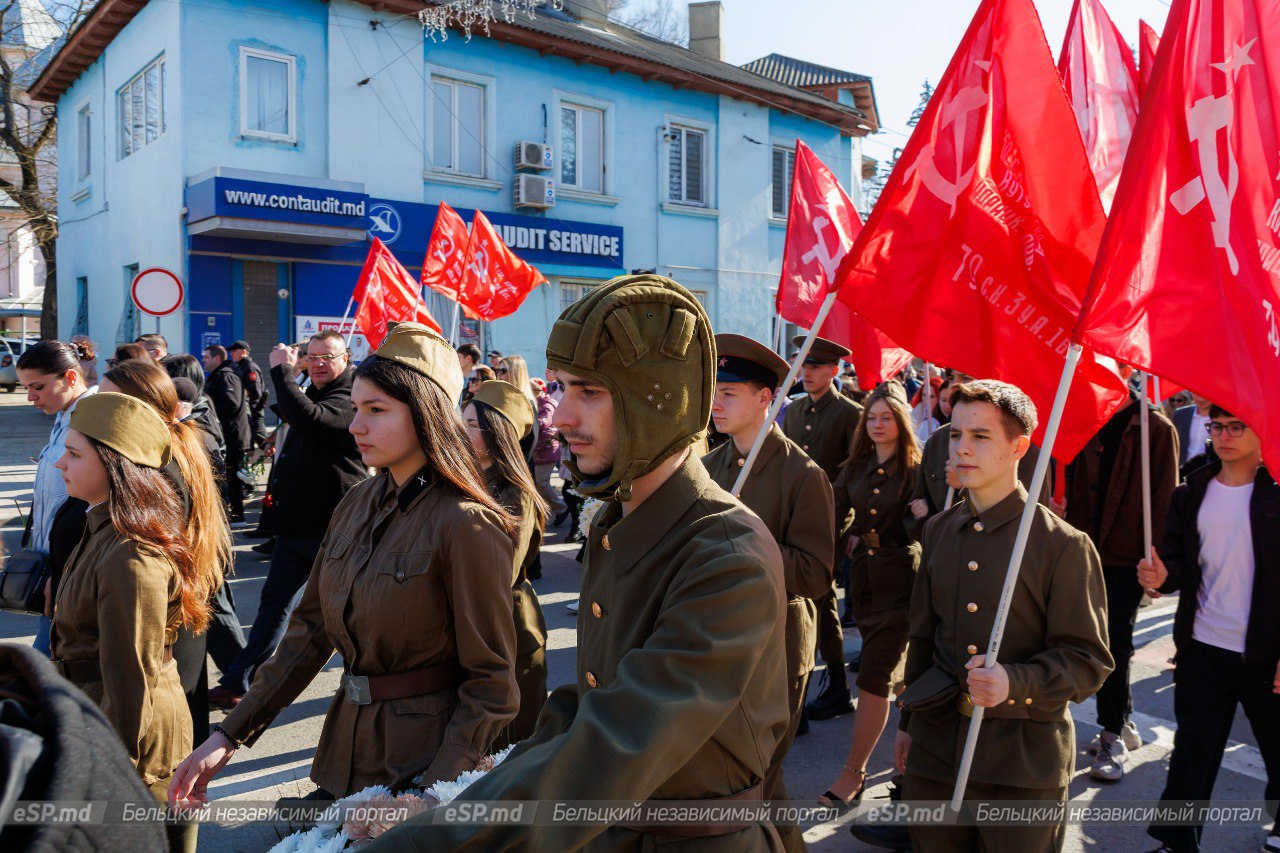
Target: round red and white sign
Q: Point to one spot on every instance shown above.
(157, 291)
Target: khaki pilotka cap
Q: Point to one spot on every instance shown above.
(423, 350)
(127, 425)
(648, 341)
(506, 400)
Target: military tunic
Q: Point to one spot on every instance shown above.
(118, 610)
(407, 578)
(871, 500)
(1054, 650)
(681, 679)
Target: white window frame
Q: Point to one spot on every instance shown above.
(84, 141)
(581, 287)
(289, 60)
(489, 114)
(570, 100)
(122, 126)
(789, 152)
(674, 124)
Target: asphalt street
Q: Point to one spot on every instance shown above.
(278, 764)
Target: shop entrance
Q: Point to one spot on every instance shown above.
(263, 318)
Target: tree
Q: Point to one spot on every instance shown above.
(873, 186)
(658, 18)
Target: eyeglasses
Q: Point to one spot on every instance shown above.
(473, 380)
(111, 362)
(502, 371)
(321, 359)
(1235, 429)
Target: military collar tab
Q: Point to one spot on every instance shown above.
(1009, 509)
(99, 516)
(414, 487)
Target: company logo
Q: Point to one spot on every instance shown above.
(384, 223)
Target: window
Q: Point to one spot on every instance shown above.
(84, 142)
(582, 148)
(142, 109)
(130, 320)
(81, 326)
(268, 95)
(784, 166)
(571, 292)
(686, 166)
(457, 127)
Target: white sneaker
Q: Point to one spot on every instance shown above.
(572, 607)
(1272, 843)
(1108, 763)
(1129, 734)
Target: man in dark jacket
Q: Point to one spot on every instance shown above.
(226, 391)
(1221, 552)
(255, 389)
(318, 464)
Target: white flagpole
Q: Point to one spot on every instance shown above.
(1015, 563)
(928, 398)
(782, 394)
(951, 498)
(453, 327)
(778, 323)
(1155, 389)
(1144, 421)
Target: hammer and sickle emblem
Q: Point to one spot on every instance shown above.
(954, 114)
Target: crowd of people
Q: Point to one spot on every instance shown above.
(408, 497)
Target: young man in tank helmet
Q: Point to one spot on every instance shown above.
(792, 496)
(681, 679)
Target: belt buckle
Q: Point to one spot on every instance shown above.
(357, 687)
(872, 539)
(965, 706)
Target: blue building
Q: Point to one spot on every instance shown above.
(254, 149)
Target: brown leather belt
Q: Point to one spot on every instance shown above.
(88, 671)
(753, 794)
(366, 689)
(1000, 712)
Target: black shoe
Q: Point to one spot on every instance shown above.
(268, 547)
(847, 621)
(855, 662)
(835, 701)
(259, 532)
(885, 836)
(317, 799)
(802, 728)
(559, 519)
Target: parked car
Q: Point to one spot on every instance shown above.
(8, 367)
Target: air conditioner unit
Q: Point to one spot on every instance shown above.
(533, 155)
(534, 191)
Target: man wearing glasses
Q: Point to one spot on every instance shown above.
(1221, 552)
(317, 465)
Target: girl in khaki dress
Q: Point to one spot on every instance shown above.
(412, 586)
(500, 425)
(871, 495)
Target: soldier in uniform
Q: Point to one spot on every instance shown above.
(792, 497)
(412, 586)
(823, 423)
(1054, 649)
(681, 671)
(255, 389)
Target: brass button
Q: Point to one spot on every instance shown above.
(596, 610)
(873, 510)
(875, 491)
(591, 680)
(605, 542)
(871, 552)
(1028, 700)
(879, 470)
(805, 447)
(971, 649)
(1011, 701)
(741, 462)
(973, 565)
(873, 530)
(977, 525)
(972, 608)
(399, 576)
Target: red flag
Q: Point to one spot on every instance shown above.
(442, 268)
(1148, 45)
(821, 226)
(1097, 70)
(1186, 283)
(978, 253)
(387, 293)
(496, 282)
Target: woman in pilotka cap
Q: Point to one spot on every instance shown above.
(129, 585)
(500, 423)
(412, 586)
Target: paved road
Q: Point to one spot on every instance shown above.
(278, 764)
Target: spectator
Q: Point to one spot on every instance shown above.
(1221, 553)
(226, 391)
(156, 346)
(468, 358)
(546, 456)
(89, 358)
(482, 373)
(495, 359)
(1194, 446)
(513, 369)
(50, 371)
(201, 413)
(124, 352)
(255, 390)
(1104, 500)
(316, 467)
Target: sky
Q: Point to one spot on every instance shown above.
(898, 43)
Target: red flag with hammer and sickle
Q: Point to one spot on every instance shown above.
(443, 266)
(821, 225)
(387, 293)
(1187, 283)
(978, 253)
(495, 281)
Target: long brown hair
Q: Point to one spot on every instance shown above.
(907, 450)
(144, 508)
(507, 456)
(441, 433)
(207, 534)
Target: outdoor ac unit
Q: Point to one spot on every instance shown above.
(533, 155)
(534, 191)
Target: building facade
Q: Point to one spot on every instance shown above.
(255, 148)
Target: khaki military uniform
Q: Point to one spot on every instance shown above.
(531, 625)
(871, 500)
(825, 430)
(1054, 650)
(116, 616)
(407, 579)
(791, 495)
(681, 679)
